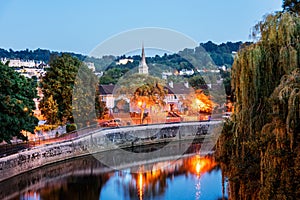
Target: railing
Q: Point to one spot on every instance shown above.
(9, 149)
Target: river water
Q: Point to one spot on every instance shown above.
(191, 176)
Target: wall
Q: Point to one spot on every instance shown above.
(105, 140)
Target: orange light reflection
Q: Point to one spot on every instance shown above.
(140, 186)
(196, 165)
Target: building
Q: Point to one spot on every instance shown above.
(107, 95)
(90, 65)
(166, 74)
(176, 93)
(21, 63)
(124, 61)
(143, 67)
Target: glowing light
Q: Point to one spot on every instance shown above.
(200, 165)
(140, 186)
(140, 103)
(198, 168)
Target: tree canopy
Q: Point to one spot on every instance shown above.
(261, 145)
(16, 104)
(59, 105)
(291, 6)
(58, 83)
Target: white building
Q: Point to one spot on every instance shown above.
(124, 61)
(90, 65)
(186, 72)
(166, 74)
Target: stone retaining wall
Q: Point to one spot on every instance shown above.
(105, 140)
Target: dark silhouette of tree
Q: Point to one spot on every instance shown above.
(291, 6)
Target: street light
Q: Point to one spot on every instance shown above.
(198, 102)
(140, 105)
(25, 109)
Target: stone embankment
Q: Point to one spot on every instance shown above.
(108, 139)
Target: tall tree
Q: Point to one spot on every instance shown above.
(50, 110)
(86, 104)
(73, 87)
(58, 83)
(16, 104)
(148, 95)
(263, 143)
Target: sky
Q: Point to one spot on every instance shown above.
(79, 26)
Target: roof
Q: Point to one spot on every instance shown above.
(106, 89)
(178, 88)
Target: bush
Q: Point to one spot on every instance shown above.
(71, 127)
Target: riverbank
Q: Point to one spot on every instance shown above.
(105, 140)
(55, 175)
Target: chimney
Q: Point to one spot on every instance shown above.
(186, 84)
(171, 84)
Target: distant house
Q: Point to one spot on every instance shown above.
(107, 95)
(186, 72)
(90, 65)
(176, 92)
(166, 74)
(124, 61)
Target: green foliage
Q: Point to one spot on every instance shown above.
(112, 75)
(222, 54)
(100, 107)
(205, 56)
(49, 109)
(280, 140)
(16, 104)
(86, 98)
(264, 140)
(226, 81)
(70, 91)
(58, 83)
(71, 127)
(291, 6)
(197, 82)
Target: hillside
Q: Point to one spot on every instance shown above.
(207, 53)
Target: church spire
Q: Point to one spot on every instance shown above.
(143, 67)
(143, 54)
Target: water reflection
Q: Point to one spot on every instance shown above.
(154, 183)
(161, 182)
(191, 177)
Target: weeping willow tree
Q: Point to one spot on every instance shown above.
(280, 138)
(263, 138)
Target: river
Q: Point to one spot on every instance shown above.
(193, 175)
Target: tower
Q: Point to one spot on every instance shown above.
(143, 67)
